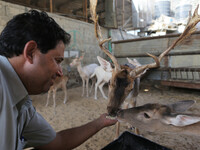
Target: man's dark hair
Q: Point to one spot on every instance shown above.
(33, 25)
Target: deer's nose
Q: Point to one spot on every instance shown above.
(120, 113)
(112, 111)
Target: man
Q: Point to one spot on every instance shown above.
(31, 49)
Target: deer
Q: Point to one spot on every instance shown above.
(160, 118)
(103, 74)
(123, 77)
(85, 72)
(60, 82)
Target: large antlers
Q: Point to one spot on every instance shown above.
(190, 28)
(94, 17)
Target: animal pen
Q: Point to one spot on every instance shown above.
(180, 68)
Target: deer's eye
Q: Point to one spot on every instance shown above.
(146, 115)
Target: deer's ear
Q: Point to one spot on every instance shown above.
(181, 106)
(104, 64)
(129, 60)
(182, 120)
(133, 62)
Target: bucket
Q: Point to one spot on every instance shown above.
(182, 11)
(130, 141)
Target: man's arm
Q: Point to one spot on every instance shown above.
(73, 137)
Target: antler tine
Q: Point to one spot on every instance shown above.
(190, 28)
(94, 17)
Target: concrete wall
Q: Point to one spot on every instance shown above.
(83, 37)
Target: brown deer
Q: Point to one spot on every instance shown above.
(163, 118)
(123, 77)
(60, 82)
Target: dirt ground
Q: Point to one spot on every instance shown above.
(80, 110)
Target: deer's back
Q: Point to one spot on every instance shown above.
(89, 69)
(59, 82)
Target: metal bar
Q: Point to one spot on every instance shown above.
(175, 72)
(170, 73)
(150, 38)
(199, 74)
(51, 6)
(181, 73)
(173, 53)
(86, 14)
(123, 14)
(184, 69)
(190, 85)
(187, 74)
(192, 75)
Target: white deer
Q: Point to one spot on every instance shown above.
(159, 118)
(84, 72)
(60, 82)
(103, 74)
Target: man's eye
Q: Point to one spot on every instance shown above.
(58, 61)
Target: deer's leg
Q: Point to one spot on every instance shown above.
(54, 97)
(93, 83)
(96, 86)
(65, 91)
(48, 96)
(101, 90)
(117, 130)
(87, 82)
(83, 87)
(134, 105)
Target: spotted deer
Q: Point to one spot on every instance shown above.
(123, 77)
(60, 82)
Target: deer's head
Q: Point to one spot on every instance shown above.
(120, 86)
(76, 61)
(159, 117)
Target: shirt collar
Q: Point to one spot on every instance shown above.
(15, 86)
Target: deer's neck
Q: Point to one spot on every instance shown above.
(193, 129)
(79, 68)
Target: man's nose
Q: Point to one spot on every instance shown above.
(59, 72)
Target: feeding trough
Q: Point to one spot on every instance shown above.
(130, 141)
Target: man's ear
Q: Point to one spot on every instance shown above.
(29, 50)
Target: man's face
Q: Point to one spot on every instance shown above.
(44, 69)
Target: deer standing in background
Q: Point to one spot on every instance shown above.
(60, 82)
(163, 118)
(103, 74)
(84, 72)
(123, 77)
